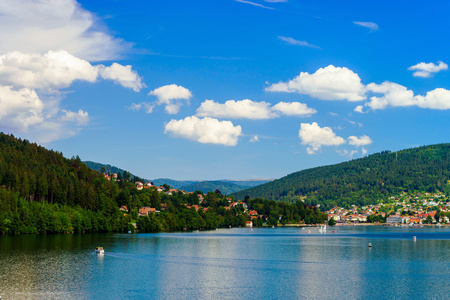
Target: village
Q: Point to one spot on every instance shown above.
(406, 209)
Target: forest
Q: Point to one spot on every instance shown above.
(363, 181)
(41, 191)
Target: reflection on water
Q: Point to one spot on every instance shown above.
(230, 264)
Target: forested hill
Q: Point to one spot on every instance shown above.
(207, 186)
(41, 191)
(365, 180)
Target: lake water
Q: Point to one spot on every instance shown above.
(266, 263)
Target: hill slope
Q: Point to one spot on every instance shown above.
(365, 180)
(211, 186)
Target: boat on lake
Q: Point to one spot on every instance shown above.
(99, 250)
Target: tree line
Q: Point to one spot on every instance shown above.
(363, 181)
(41, 191)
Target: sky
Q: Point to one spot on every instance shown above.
(224, 89)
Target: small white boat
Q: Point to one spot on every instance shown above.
(99, 250)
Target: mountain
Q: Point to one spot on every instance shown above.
(177, 184)
(363, 181)
(226, 186)
(210, 186)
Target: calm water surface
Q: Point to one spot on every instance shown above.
(266, 263)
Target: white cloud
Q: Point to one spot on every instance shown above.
(81, 118)
(393, 95)
(147, 106)
(59, 69)
(42, 25)
(122, 75)
(295, 42)
(359, 109)
(254, 4)
(20, 109)
(363, 151)
(315, 137)
(53, 70)
(359, 141)
(347, 153)
(248, 109)
(206, 130)
(135, 106)
(30, 87)
(294, 109)
(329, 83)
(427, 69)
(435, 99)
(396, 95)
(244, 109)
(170, 96)
(370, 25)
(254, 139)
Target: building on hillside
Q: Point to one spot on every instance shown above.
(248, 224)
(394, 219)
(144, 211)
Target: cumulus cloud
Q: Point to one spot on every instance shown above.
(396, 95)
(329, 83)
(372, 26)
(314, 137)
(428, 69)
(244, 109)
(359, 141)
(20, 109)
(53, 70)
(294, 109)
(295, 42)
(206, 130)
(170, 96)
(248, 109)
(59, 69)
(40, 25)
(30, 86)
(359, 109)
(122, 75)
(393, 95)
(81, 118)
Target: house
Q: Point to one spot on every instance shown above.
(253, 213)
(144, 211)
(394, 219)
(123, 208)
(248, 224)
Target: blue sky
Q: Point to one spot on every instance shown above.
(224, 89)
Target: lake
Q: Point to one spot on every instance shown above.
(238, 263)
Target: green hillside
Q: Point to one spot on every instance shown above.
(210, 186)
(43, 192)
(363, 181)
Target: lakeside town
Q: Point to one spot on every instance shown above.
(407, 209)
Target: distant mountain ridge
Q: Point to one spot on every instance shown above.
(363, 181)
(226, 186)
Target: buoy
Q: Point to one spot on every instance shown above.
(370, 245)
(308, 231)
(414, 238)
